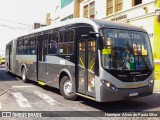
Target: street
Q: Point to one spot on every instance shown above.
(18, 96)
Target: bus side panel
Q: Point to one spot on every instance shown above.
(29, 61)
(31, 65)
(32, 73)
(18, 64)
(53, 67)
(51, 76)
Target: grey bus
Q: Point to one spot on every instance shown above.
(100, 60)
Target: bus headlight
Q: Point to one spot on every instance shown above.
(109, 85)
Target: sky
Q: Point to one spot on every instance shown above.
(23, 14)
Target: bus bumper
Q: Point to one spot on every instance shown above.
(108, 95)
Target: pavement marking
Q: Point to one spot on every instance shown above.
(22, 101)
(22, 86)
(47, 98)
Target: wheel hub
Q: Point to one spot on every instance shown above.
(68, 87)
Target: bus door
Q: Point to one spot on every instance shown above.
(42, 51)
(86, 67)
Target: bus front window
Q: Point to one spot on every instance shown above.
(126, 50)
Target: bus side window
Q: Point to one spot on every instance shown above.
(67, 42)
(19, 47)
(25, 48)
(32, 46)
(22, 47)
(53, 44)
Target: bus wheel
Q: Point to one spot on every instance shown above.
(66, 88)
(24, 75)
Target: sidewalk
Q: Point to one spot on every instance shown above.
(157, 85)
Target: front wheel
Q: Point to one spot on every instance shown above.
(66, 88)
(24, 75)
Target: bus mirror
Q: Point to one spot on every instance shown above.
(100, 42)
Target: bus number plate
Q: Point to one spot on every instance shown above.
(133, 94)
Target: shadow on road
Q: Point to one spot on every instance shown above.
(5, 76)
(51, 89)
(133, 105)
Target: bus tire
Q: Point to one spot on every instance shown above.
(66, 88)
(24, 75)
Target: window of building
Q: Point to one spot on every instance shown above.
(65, 3)
(118, 5)
(53, 44)
(66, 45)
(109, 7)
(85, 11)
(68, 17)
(137, 2)
(92, 10)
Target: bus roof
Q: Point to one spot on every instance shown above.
(93, 22)
(112, 24)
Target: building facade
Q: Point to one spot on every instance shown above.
(64, 11)
(142, 13)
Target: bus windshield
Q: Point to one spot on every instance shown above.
(126, 50)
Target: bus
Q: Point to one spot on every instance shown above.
(2, 60)
(100, 60)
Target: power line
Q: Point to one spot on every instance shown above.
(11, 27)
(15, 22)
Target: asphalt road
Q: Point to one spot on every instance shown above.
(18, 96)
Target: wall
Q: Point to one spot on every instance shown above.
(67, 11)
(100, 8)
(65, 3)
(156, 51)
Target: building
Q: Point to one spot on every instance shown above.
(64, 11)
(142, 13)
